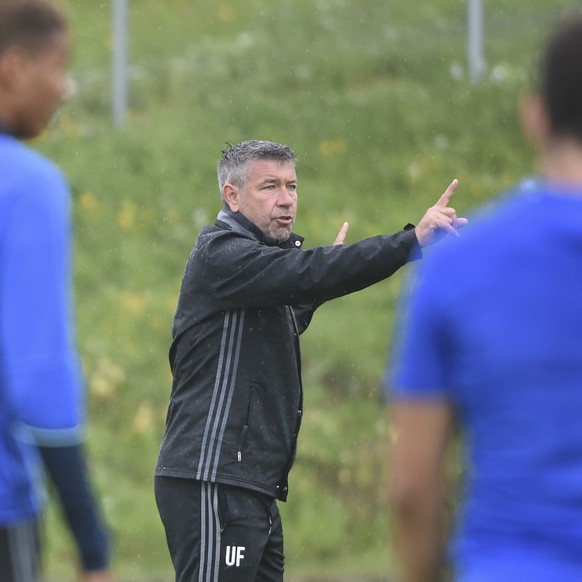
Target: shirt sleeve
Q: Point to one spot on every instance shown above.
(40, 362)
(419, 365)
(69, 474)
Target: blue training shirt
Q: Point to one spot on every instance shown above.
(41, 398)
(493, 324)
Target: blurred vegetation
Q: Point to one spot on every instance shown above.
(374, 98)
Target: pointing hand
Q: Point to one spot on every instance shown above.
(439, 219)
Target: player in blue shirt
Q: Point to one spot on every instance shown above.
(41, 393)
(493, 341)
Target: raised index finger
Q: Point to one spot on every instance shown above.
(447, 194)
(341, 236)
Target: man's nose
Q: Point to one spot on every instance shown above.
(286, 197)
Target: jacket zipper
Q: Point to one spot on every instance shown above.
(243, 438)
(245, 429)
(291, 458)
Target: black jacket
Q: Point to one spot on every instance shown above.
(236, 401)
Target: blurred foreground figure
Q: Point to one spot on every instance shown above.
(493, 338)
(248, 292)
(41, 399)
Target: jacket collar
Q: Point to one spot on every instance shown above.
(236, 222)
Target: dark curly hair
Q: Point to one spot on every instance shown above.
(560, 80)
(29, 23)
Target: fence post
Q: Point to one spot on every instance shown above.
(119, 62)
(475, 40)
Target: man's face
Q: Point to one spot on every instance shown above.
(41, 85)
(268, 199)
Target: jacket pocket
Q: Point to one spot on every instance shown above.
(245, 428)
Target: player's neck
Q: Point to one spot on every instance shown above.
(7, 114)
(563, 162)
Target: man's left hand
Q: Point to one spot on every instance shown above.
(439, 219)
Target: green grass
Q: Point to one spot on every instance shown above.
(374, 98)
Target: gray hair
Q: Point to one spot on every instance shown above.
(234, 165)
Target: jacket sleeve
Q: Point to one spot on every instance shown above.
(303, 315)
(244, 273)
(39, 360)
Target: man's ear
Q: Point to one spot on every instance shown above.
(534, 118)
(231, 194)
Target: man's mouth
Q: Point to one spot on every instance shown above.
(286, 220)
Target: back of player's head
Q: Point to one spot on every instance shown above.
(29, 23)
(560, 82)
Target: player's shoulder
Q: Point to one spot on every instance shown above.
(505, 208)
(19, 157)
(29, 176)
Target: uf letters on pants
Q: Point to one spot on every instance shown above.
(234, 555)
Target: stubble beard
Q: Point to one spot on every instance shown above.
(278, 235)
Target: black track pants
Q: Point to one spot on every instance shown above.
(219, 533)
(19, 552)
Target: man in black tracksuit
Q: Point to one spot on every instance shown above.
(248, 292)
